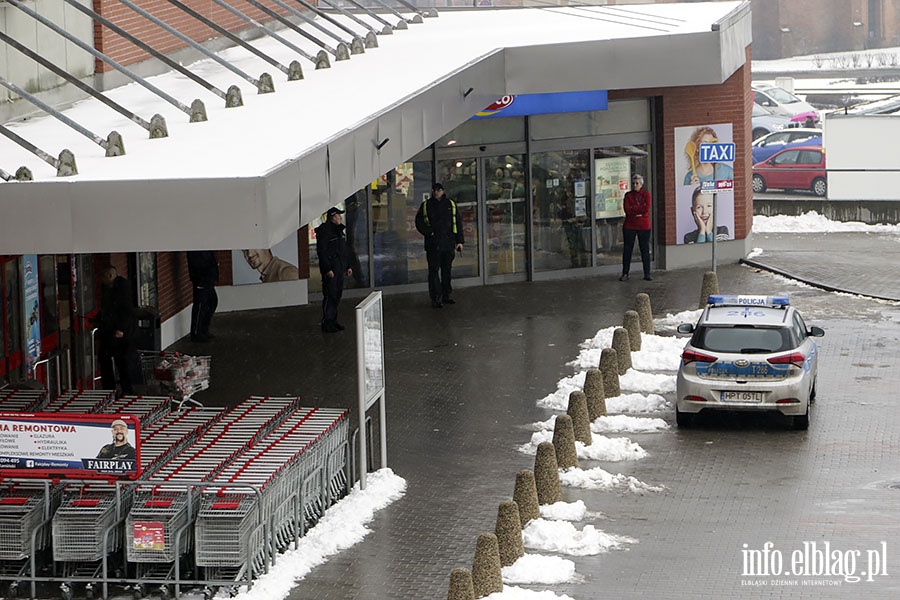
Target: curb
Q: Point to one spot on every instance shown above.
(817, 284)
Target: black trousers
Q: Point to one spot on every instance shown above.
(439, 265)
(332, 290)
(643, 237)
(118, 357)
(206, 300)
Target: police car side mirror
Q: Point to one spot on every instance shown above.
(816, 331)
(686, 328)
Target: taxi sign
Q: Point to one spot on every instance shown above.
(743, 300)
(720, 152)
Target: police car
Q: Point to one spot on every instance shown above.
(748, 353)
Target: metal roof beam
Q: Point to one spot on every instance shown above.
(259, 84)
(155, 132)
(113, 144)
(147, 48)
(64, 165)
(192, 111)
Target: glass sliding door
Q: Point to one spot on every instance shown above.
(504, 209)
(561, 223)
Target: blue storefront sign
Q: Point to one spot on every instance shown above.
(519, 105)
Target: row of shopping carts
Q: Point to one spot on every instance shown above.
(220, 495)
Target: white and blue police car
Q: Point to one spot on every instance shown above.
(748, 353)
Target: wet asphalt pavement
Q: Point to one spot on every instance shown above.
(462, 384)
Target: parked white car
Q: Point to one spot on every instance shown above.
(779, 101)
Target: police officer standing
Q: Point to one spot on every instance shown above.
(439, 221)
(334, 264)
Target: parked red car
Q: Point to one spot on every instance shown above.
(799, 168)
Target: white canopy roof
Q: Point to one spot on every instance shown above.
(251, 175)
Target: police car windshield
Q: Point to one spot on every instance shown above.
(743, 340)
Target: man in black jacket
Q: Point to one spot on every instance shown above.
(203, 271)
(116, 325)
(440, 222)
(334, 264)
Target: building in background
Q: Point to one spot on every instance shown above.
(533, 119)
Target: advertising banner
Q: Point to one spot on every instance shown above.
(613, 181)
(262, 265)
(51, 445)
(32, 312)
(696, 177)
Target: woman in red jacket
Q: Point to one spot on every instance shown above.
(637, 224)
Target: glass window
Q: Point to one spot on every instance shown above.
(744, 340)
(787, 158)
(460, 180)
(398, 248)
(613, 168)
(562, 227)
(355, 220)
(49, 304)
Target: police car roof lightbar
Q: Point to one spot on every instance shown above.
(741, 300)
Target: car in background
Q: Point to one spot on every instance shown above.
(779, 101)
(800, 168)
(769, 144)
(748, 353)
(764, 122)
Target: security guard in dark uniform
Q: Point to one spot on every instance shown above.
(439, 221)
(334, 264)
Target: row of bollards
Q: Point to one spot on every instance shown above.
(493, 551)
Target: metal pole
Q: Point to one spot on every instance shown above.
(714, 231)
(361, 392)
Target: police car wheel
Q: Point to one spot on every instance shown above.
(800, 422)
(684, 420)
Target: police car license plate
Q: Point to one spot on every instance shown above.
(742, 396)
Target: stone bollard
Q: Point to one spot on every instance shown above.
(609, 367)
(509, 533)
(564, 442)
(642, 306)
(632, 324)
(578, 410)
(710, 286)
(622, 345)
(461, 587)
(487, 577)
(546, 474)
(593, 391)
(526, 497)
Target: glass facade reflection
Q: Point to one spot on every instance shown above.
(537, 196)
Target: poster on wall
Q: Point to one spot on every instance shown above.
(32, 312)
(612, 181)
(694, 209)
(261, 265)
(69, 445)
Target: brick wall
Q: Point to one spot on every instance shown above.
(127, 53)
(730, 102)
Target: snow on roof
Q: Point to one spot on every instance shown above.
(273, 128)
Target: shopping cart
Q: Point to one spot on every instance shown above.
(179, 375)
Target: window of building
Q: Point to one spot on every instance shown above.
(561, 222)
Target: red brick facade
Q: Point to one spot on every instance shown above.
(123, 51)
(682, 107)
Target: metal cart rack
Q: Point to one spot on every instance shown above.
(22, 400)
(221, 493)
